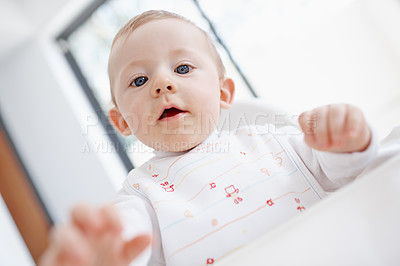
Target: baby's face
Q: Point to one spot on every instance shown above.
(166, 85)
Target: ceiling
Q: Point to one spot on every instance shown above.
(20, 19)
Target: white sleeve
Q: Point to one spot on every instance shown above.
(138, 217)
(389, 148)
(332, 170)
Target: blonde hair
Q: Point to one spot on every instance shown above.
(152, 15)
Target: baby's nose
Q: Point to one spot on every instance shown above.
(163, 85)
(163, 89)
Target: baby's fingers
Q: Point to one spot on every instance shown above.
(314, 125)
(355, 122)
(322, 131)
(357, 130)
(335, 128)
(86, 218)
(336, 123)
(110, 219)
(134, 247)
(67, 248)
(307, 122)
(93, 221)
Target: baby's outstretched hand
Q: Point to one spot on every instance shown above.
(93, 238)
(335, 128)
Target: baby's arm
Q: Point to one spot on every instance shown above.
(94, 237)
(339, 128)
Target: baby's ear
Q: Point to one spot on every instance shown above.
(118, 122)
(227, 93)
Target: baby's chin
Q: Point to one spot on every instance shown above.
(177, 143)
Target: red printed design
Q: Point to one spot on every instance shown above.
(265, 171)
(167, 187)
(277, 158)
(210, 261)
(300, 207)
(232, 192)
(270, 202)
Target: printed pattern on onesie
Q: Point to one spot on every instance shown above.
(224, 193)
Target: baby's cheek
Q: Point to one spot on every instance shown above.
(210, 120)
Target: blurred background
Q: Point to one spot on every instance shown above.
(57, 147)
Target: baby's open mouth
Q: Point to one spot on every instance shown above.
(170, 112)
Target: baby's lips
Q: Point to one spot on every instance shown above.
(165, 109)
(170, 112)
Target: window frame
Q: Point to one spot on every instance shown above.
(61, 39)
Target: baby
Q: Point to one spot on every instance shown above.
(205, 193)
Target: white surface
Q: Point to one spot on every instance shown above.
(22, 19)
(14, 27)
(13, 251)
(359, 225)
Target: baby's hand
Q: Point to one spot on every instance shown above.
(335, 128)
(92, 239)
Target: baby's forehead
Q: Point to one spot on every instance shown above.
(176, 28)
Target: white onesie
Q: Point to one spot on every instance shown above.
(203, 204)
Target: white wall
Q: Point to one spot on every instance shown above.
(303, 54)
(14, 27)
(46, 127)
(46, 133)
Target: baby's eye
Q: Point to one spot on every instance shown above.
(140, 81)
(183, 69)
